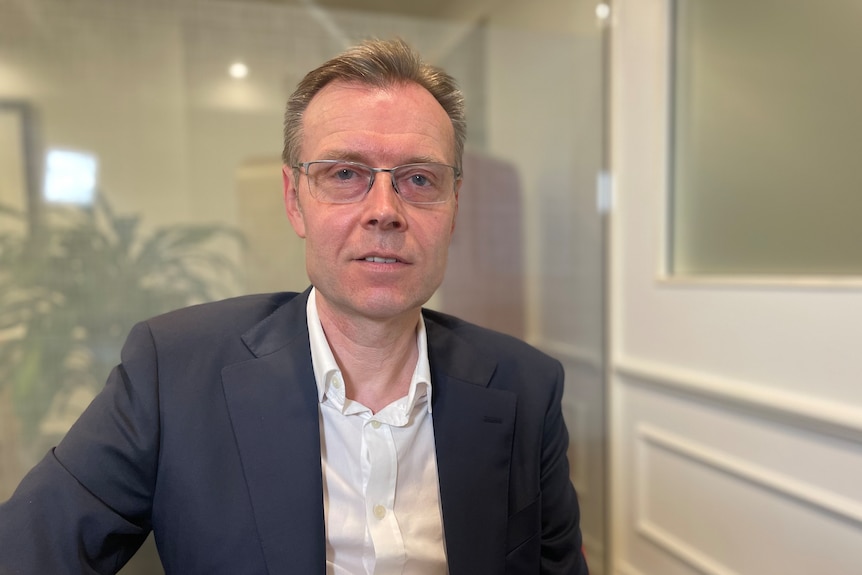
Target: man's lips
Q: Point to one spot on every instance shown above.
(381, 258)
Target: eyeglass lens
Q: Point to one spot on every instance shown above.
(343, 182)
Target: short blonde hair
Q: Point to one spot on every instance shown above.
(378, 63)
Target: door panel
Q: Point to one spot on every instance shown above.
(737, 409)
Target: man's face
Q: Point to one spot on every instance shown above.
(381, 128)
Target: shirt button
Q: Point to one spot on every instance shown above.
(375, 424)
(379, 511)
(336, 382)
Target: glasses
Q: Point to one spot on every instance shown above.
(341, 182)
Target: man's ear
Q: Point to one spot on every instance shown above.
(291, 201)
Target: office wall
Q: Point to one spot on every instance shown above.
(737, 445)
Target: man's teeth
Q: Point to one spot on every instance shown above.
(381, 260)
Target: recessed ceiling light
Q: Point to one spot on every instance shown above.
(238, 70)
(603, 11)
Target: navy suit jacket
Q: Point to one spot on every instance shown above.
(207, 433)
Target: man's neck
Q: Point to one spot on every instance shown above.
(377, 358)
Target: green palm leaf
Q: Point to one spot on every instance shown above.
(69, 295)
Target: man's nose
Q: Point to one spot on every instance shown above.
(383, 207)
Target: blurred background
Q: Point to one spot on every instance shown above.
(141, 171)
(663, 194)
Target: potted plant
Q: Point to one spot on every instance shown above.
(70, 291)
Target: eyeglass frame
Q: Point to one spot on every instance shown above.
(302, 167)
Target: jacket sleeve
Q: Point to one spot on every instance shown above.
(85, 508)
(561, 547)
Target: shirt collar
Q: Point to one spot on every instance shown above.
(325, 366)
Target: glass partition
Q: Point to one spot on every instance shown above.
(152, 151)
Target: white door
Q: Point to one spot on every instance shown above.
(736, 419)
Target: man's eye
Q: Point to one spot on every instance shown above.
(419, 180)
(344, 174)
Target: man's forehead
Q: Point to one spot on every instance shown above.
(343, 107)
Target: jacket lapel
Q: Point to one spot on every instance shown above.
(273, 407)
(473, 432)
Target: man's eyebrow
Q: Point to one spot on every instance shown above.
(423, 160)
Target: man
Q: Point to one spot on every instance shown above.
(341, 430)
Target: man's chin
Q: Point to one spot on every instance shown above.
(375, 305)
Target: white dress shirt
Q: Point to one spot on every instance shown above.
(381, 494)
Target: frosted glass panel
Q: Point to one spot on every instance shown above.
(767, 133)
(180, 103)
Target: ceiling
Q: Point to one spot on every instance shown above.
(466, 9)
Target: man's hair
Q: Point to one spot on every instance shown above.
(381, 64)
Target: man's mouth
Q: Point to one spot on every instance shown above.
(377, 260)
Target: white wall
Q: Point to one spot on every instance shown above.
(737, 409)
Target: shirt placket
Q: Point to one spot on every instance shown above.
(381, 473)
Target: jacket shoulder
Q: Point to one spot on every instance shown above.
(236, 314)
(507, 350)
(214, 328)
